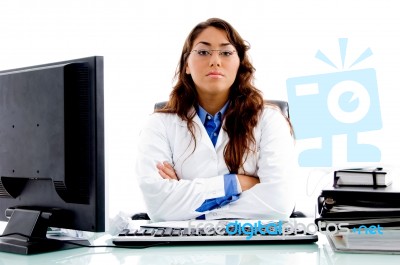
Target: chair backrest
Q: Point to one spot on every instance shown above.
(282, 105)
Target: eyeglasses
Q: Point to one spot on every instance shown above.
(205, 53)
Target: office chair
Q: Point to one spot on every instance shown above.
(282, 105)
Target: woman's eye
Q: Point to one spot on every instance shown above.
(226, 53)
(203, 52)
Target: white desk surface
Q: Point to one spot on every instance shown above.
(315, 253)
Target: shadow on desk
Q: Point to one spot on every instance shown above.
(318, 253)
(218, 255)
(230, 255)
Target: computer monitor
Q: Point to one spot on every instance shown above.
(52, 171)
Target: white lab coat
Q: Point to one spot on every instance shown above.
(166, 138)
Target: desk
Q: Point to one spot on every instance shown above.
(318, 253)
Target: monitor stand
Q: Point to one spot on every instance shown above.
(26, 233)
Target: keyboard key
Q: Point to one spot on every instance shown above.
(159, 233)
(149, 231)
(140, 232)
(176, 232)
(168, 231)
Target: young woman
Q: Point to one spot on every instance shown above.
(216, 150)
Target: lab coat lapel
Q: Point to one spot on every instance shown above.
(200, 132)
(222, 138)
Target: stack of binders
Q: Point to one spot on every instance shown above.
(361, 215)
(359, 206)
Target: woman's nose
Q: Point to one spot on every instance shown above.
(215, 59)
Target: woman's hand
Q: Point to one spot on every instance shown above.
(166, 171)
(247, 182)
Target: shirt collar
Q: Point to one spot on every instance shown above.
(202, 113)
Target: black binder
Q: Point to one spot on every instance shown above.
(359, 205)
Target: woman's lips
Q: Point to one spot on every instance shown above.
(215, 74)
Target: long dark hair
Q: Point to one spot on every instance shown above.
(246, 101)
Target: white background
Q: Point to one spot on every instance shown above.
(141, 42)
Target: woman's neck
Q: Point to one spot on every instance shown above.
(212, 104)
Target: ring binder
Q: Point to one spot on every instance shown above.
(358, 177)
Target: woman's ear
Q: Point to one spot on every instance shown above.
(187, 70)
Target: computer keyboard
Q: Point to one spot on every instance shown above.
(177, 233)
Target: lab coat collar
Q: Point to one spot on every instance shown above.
(201, 133)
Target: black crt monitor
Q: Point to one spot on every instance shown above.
(52, 171)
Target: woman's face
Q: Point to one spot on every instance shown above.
(213, 63)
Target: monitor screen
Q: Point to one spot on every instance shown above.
(51, 152)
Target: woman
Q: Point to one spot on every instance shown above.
(216, 150)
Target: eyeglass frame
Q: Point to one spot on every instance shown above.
(210, 52)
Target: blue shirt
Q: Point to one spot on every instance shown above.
(213, 126)
(212, 123)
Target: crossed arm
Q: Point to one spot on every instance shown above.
(166, 171)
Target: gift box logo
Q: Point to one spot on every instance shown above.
(344, 102)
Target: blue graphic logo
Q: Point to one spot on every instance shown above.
(345, 102)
